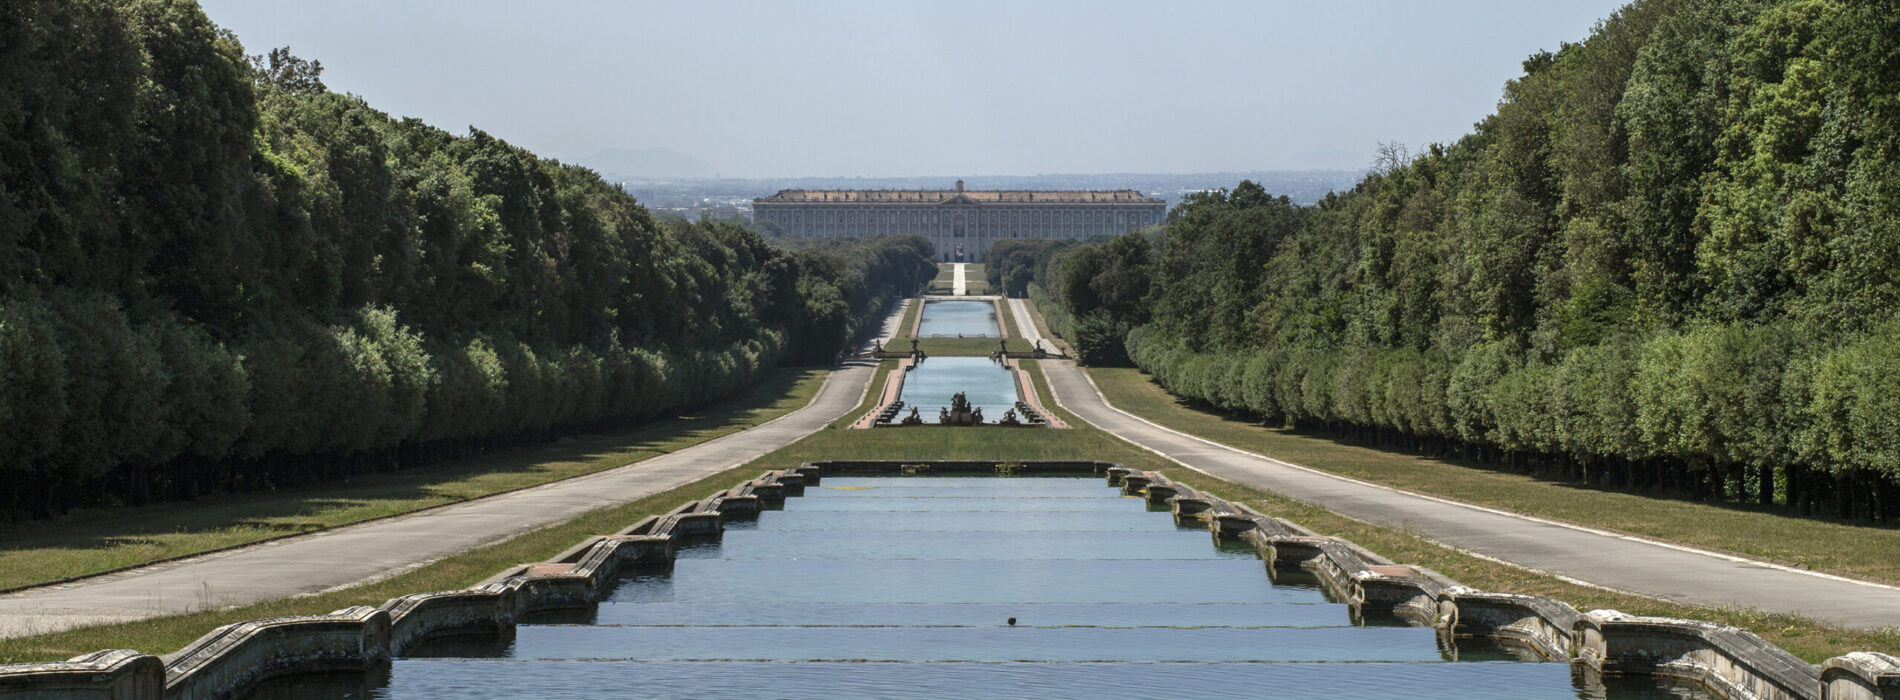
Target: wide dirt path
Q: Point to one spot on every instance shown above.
(1611, 560)
(375, 550)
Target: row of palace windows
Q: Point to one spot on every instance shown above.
(841, 221)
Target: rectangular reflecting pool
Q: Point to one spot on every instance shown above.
(989, 386)
(972, 587)
(959, 319)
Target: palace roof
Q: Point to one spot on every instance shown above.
(946, 196)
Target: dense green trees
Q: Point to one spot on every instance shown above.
(216, 274)
(1671, 259)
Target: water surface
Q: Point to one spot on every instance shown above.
(988, 385)
(952, 319)
(904, 587)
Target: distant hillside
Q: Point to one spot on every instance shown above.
(1300, 186)
(637, 163)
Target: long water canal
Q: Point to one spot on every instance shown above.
(905, 587)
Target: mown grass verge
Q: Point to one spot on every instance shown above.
(1851, 549)
(1006, 317)
(1812, 641)
(166, 634)
(912, 307)
(96, 540)
(946, 280)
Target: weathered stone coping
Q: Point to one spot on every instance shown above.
(234, 658)
(1732, 662)
(239, 655)
(1861, 676)
(114, 673)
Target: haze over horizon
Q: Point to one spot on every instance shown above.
(863, 89)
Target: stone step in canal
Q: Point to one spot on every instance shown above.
(906, 587)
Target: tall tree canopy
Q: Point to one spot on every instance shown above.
(215, 273)
(1671, 258)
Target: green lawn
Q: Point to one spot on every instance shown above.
(946, 280)
(912, 307)
(1813, 642)
(1006, 317)
(94, 540)
(1851, 549)
(167, 634)
(974, 281)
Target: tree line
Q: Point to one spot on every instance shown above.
(1669, 260)
(216, 274)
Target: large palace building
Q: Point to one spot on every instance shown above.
(963, 224)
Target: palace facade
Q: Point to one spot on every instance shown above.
(962, 224)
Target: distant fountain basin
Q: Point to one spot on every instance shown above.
(959, 319)
(989, 386)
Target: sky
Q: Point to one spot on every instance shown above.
(894, 88)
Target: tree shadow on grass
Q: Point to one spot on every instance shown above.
(32, 551)
(1549, 477)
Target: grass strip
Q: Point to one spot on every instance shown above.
(1006, 318)
(912, 308)
(165, 634)
(1810, 640)
(102, 539)
(1851, 549)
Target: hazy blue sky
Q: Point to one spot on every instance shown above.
(910, 88)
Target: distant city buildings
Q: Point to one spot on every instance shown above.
(962, 224)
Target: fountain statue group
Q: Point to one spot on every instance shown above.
(959, 412)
